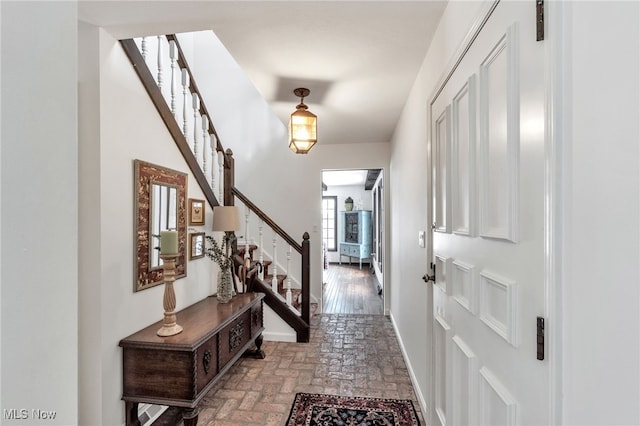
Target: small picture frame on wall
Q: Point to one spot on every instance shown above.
(196, 212)
(196, 246)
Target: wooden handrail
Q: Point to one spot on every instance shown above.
(282, 309)
(131, 49)
(270, 222)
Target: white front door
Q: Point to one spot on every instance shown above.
(487, 152)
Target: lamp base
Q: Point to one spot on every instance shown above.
(169, 330)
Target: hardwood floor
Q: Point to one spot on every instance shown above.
(347, 289)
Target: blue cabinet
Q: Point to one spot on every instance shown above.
(355, 235)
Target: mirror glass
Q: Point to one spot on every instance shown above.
(163, 216)
(160, 204)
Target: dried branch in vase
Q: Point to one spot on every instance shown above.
(220, 252)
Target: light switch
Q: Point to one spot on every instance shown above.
(421, 242)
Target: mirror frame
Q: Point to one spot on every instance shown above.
(146, 174)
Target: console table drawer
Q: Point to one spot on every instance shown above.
(233, 337)
(146, 372)
(344, 249)
(207, 362)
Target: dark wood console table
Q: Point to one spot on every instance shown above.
(179, 370)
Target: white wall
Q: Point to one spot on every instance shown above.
(110, 141)
(39, 184)
(359, 196)
(411, 301)
(89, 295)
(601, 164)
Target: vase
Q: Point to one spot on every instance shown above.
(225, 286)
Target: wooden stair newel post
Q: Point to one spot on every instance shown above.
(229, 171)
(306, 276)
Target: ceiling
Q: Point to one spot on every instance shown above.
(364, 178)
(358, 58)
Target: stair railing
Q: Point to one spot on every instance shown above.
(165, 73)
(290, 244)
(162, 67)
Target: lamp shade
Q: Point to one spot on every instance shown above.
(226, 218)
(302, 130)
(302, 126)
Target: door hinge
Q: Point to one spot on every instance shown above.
(540, 337)
(539, 20)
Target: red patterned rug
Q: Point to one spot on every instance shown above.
(314, 410)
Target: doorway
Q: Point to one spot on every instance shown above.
(353, 241)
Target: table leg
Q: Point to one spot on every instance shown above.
(190, 416)
(257, 353)
(131, 414)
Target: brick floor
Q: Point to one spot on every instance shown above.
(351, 355)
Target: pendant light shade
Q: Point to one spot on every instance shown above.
(302, 126)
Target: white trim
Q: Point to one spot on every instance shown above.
(443, 269)
(507, 330)
(472, 380)
(507, 45)
(442, 416)
(459, 270)
(275, 336)
(483, 16)
(442, 200)
(489, 382)
(468, 90)
(557, 129)
(412, 375)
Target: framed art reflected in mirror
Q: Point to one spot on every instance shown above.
(160, 205)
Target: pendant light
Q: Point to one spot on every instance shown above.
(302, 125)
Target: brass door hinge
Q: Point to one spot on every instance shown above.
(539, 20)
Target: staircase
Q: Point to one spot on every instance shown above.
(164, 72)
(293, 296)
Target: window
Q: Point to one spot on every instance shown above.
(329, 222)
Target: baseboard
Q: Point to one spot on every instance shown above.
(414, 381)
(279, 337)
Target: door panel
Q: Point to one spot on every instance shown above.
(487, 138)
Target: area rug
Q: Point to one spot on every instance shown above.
(315, 409)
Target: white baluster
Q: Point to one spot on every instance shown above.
(247, 260)
(173, 55)
(205, 134)
(160, 78)
(289, 277)
(185, 93)
(196, 114)
(221, 174)
(261, 255)
(214, 163)
(144, 49)
(274, 280)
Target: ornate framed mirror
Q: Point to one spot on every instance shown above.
(160, 204)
